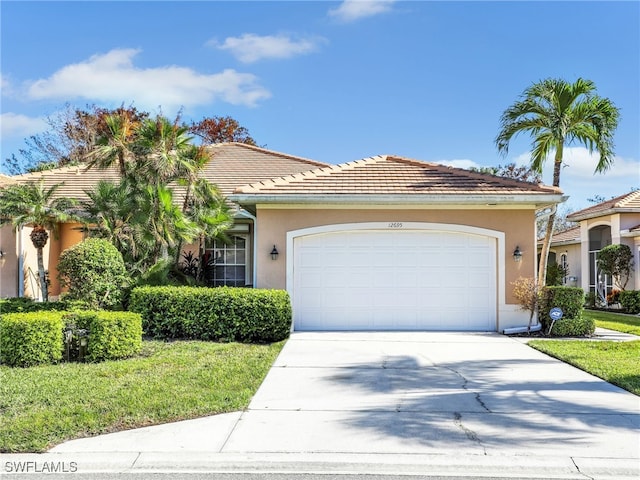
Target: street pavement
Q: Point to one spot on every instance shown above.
(436, 404)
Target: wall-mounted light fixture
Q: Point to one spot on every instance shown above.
(274, 253)
(517, 254)
(2, 254)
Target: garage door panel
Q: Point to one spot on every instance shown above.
(403, 280)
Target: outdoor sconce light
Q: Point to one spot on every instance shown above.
(274, 253)
(1, 254)
(517, 254)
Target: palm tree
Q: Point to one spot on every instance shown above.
(109, 213)
(114, 144)
(558, 114)
(34, 205)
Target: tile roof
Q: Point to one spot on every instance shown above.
(231, 165)
(570, 235)
(628, 202)
(391, 175)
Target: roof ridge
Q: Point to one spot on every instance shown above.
(267, 151)
(52, 171)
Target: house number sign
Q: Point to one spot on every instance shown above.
(395, 225)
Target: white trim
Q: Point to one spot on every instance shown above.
(440, 227)
(360, 206)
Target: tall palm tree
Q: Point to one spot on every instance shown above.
(32, 204)
(556, 114)
(114, 144)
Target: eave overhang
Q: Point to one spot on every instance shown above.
(535, 200)
(602, 213)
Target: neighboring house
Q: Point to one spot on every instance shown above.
(615, 221)
(376, 244)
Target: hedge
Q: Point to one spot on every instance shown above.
(630, 301)
(111, 335)
(571, 301)
(573, 327)
(30, 338)
(222, 313)
(26, 304)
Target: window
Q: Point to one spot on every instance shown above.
(565, 268)
(227, 263)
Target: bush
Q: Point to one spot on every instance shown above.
(574, 327)
(25, 304)
(569, 299)
(30, 338)
(112, 335)
(630, 301)
(93, 271)
(223, 313)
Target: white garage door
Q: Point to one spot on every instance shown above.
(394, 280)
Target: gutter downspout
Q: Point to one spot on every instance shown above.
(254, 273)
(534, 328)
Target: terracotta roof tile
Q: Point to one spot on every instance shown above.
(387, 174)
(231, 165)
(628, 202)
(570, 235)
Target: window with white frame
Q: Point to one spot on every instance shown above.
(227, 263)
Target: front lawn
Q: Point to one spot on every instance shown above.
(615, 321)
(46, 405)
(615, 362)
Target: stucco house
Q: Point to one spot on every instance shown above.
(375, 244)
(614, 221)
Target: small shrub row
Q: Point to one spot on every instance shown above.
(571, 301)
(630, 301)
(222, 314)
(34, 338)
(25, 304)
(112, 335)
(573, 327)
(31, 338)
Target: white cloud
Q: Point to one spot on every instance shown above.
(14, 125)
(579, 164)
(578, 180)
(352, 10)
(249, 48)
(112, 77)
(462, 163)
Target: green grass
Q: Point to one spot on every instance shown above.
(615, 362)
(615, 321)
(46, 405)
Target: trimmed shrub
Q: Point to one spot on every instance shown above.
(112, 335)
(630, 301)
(94, 272)
(574, 327)
(569, 299)
(25, 304)
(31, 338)
(223, 313)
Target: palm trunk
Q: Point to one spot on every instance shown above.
(544, 254)
(546, 245)
(42, 277)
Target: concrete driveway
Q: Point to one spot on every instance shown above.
(399, 402)
(455, 393)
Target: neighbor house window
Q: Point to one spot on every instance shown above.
(565, 268)
(227, 263)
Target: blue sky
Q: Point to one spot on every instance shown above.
(330, 81)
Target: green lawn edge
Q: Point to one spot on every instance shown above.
(43, 406)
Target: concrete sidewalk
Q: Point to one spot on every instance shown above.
(398, 403)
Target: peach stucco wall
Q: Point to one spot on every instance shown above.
(518, 226)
